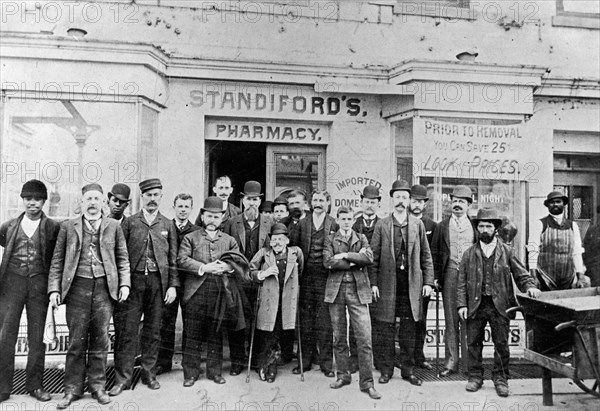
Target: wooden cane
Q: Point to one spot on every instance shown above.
(254, 320)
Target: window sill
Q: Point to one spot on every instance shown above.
(577, 20)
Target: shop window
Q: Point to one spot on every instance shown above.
(577, 13)
(67, 144)
(581, 205)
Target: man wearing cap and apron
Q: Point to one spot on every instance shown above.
(152, 245)
(450, 240)
(28, 242)
(118, 200)
(89, 272)
(559, 263)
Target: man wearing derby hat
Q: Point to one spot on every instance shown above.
(118, 200)
(451, 238)
(369, 203)
(418, 202)
(559, 264)
(152, 246)
(401, 275)
(28, 242)
(278, 269)
(484, 293)
(206, 287)
(223, 188)
(89, 273)
(250, 229)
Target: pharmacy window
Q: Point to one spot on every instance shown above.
(70, 143)
(577, 13)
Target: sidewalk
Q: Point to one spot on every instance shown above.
(289, 393)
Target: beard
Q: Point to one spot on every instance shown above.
(487, 238)
(556, 210)
(251, 213)
(295, 213)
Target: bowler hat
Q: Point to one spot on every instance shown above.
(488, 214)
(92, 187)
(266, 207)
(371, 192)
(419, 192)
(34, 188)
(150, 184)
(399, 185)
(213, 204)
(120, 191)
(252, 189)
(278, 228)
(556, 194)
(462, 192)
(280, 200)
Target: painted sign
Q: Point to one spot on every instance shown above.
(461, 150)
(265, 131)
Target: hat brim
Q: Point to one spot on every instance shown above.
(418, 197)
(565, 200)
(119, 196)
(496, 221)
(392, 191)
(151, 188)
(370, 197)
(212, 210)
(252, 194)
(469, 199)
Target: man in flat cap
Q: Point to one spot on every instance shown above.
(278, 269)
(210, 283)
(451, 239)
(401, 276)
(152, 246)
(315, 320)
(89, 273)
(251, 230)
(484, 293)
(558, 265)
(28, 242)
(223, 188)
(418, 202)
(183, 205)
(118, 200)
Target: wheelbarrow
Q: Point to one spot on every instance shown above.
(562, 336)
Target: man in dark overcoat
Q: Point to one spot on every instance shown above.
(28, 242)
(401, 275)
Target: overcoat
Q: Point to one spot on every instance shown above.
(382, 273)
(235, 228)
(67, 252)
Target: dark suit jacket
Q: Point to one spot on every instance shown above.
(188, 228)
(230, 212)
(304, 232)
(164, 242)
(430, 226)
(359, 253)
(470, 279)
(440, 248)
(48, 232)
(235, 228)
(360, 228)
(382, 273)
(68, 251)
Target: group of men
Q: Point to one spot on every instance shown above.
(258, 277)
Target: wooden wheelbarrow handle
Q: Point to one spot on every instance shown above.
(514, 309)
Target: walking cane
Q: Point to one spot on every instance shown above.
(299, 339)
(437, 332)
(254, 320)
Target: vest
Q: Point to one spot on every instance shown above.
(90, 260)
(488, 273)
(401, 254)
(251, 238)
(556, 249)
(459, 242)
(26, 259)
(317, 243)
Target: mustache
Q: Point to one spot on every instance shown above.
(457, 207)
(152, 203)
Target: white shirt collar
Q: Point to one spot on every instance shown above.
(558, 218)
(29, 226)
(318, 220)
(400, 218)
(488, 249)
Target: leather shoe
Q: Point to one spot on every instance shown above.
(117, 389)
(188, 382)
(271, 377)
(296, 370)
(373, 393)
(328, 373)
(447, 372)
(384, 379)
(40, 394)
(426, 365)
(161, 370)
(236, 370)
(501, 388)
(152, 383)
(101, 396)
(4, 397)
(339, 383)
(413, 379)
(473, 385)
(217, 379)
(67, 400)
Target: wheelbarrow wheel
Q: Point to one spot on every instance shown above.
(593, 391)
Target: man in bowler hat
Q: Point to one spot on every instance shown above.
(401, 276)
(152, 246)
(557, 260)
(118, 201)
(484, 293)
(451, 238)
(89, 272)
(28, 242)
